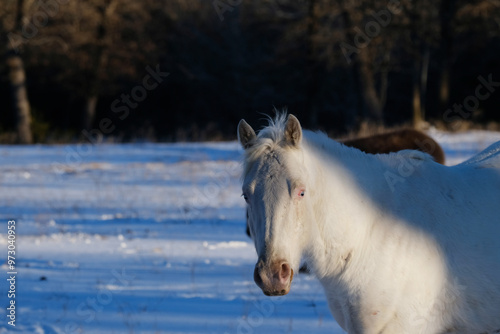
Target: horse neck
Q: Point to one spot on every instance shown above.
(343, 181)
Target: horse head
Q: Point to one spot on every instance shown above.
(275, 188)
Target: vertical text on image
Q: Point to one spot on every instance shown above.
(11, 271)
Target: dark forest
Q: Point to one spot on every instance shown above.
(188, 70)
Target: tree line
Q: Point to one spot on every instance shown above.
(190, 69)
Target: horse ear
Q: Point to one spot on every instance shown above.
(246, 134)
(293, 131)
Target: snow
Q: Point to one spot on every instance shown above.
(147, 238)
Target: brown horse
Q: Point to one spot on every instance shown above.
(393, 141)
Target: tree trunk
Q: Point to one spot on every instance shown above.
(89, 111)
(364, 77)
(420, 64)
(373, 110)
(420, 74)
(446, 14)
(424, 74)
(384, 79)
(17, 82)
(444, 86)
(98, 60)
(312, 66)
(417, 99)
(354, 71)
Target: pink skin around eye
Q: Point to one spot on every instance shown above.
(301, 192)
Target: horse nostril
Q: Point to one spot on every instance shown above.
(256, 277)
(285, 272)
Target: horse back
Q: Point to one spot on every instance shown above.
(488, 158)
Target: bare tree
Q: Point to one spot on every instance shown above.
(282, 52)
(447, 10)
(362, 57)
(17, 81)
(102, 40)
(97, 61)
(312, 60)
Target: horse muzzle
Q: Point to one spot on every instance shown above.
(274, 280)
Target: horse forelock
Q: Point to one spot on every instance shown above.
(270, 139)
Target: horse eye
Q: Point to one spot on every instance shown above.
(245, 197)
(302, 193)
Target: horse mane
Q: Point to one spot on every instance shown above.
(270, 138)
(275, 129)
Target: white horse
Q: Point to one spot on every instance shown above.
(400, 243)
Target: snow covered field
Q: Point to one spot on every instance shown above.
(147, 238)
